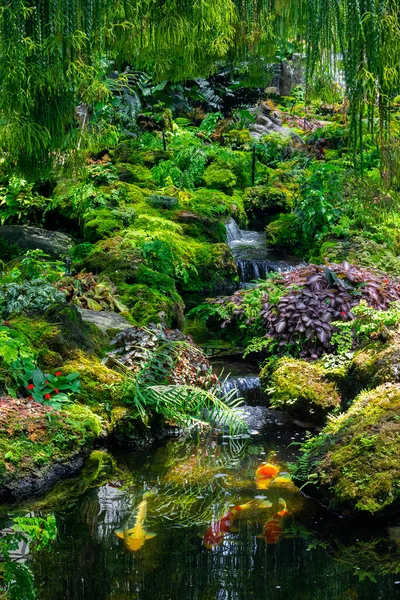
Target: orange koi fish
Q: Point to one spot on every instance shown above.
(273, 527)
(265, 474)
(215, 534)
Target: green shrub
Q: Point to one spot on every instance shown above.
(36, 294)
(219, 178)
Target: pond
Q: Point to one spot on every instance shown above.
(280, 545)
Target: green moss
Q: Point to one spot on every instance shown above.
(28, 446)
(99, 384)
(301, 388)
(100, 224)
(376, 364)
(128, 152)
(147, 305)
(355, 460)
(155, 280)
(214, 203)
(283, 233)
(59, 333)
(359, 251)
(263, 201)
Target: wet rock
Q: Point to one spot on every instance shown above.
(267, 122)
(32, 238)
(258, 418)
(301, 388)
(353, 464)
(104, 319)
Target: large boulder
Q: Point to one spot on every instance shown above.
(353, 464)
(301, 388)
(376, 364)
(33, 238)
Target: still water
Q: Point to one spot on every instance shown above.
(193, 484)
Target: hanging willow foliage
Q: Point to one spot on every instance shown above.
(51, 54)
(366, 34)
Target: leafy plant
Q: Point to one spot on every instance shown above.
(36, 294)
(19, 203)
(51, 390)
(299, 310)
(320, 202)
(16, 579)
(95, 292)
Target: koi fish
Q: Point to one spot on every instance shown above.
(265, 474)
(215, 534)
(273, 527)
(135, 537)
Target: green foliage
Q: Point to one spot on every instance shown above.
(16, 579)
(320, 201)
(36, 294)
(368, 324)
(92, 292)
(218, 177)
(20, 204)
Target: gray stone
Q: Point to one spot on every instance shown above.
(104, 319)
(33, 238)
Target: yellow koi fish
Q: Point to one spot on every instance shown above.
(135, 537)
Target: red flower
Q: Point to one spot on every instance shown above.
(47, 396)
(46, 381)
(6, 323)
(58, 373)
(30, 386)
(56, 390)
(343, 313)
(30, 397)
(386, 280)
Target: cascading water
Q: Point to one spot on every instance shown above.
(251, 254)
(246, 387)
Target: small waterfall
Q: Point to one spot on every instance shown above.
(246, 386)
(232, 230)
(251, 254)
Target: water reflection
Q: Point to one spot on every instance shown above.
(313, 556)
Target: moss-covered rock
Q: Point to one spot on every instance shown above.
(138, 174)
(375, 364)
(58, 333)
(35, 441)
(359, 251)
(354, 462)
(127, 429)
(100, 224)
(283, 233)
(128, 152)
(148, 305)
(100, 385)
(264, 201)
(301, 388)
